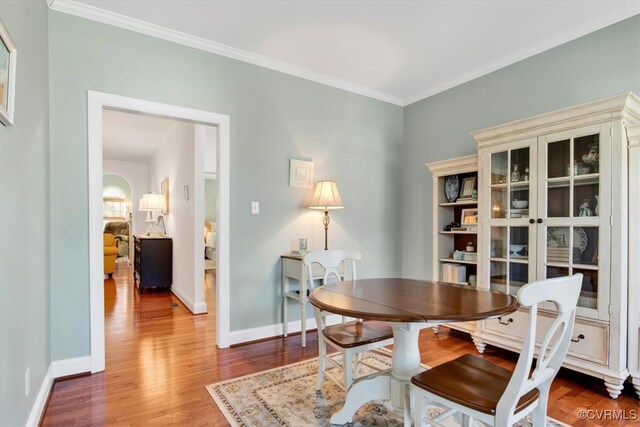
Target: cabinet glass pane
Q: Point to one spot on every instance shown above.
(498, 202)
(585, 197)
(558, 199)
(558, 242)
(519, 243)
(557, 272)
(519, 202)
(518, 277)
(586, 154)
(498, 242)
(499, 168)
(498, 279)
(589, 294)
(586, 239)
(558, 160)
(519, 165)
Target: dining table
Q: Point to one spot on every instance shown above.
(408, 306)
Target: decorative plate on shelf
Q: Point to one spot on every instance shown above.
(558, 237)
(452, 188)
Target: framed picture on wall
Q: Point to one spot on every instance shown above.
(300, 173)
(164, 190)
(8, 56)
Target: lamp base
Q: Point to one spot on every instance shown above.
(326, 220)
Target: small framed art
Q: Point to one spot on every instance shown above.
(164, 189)
(8, 56)
(466, 190)
(469, 217)
(300, 173)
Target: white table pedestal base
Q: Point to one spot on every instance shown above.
(405, 363)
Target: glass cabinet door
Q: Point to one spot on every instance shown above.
(511, 198)
(570, 240)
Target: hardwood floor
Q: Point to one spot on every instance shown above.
(160, 357)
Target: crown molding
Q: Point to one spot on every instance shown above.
(456, 165)
(551, 42)
(93, 13)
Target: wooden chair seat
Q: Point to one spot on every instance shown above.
(473, 382)
(354, 334)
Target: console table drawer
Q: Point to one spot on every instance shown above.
(295, 268)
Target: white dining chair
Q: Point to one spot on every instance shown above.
(481, 390)
(350, 338)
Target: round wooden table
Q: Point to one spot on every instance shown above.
(408, 306)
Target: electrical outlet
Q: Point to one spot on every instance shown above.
(27, 381)
(255, 208)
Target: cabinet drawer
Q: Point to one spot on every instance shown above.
(590, 341)
(513, 325)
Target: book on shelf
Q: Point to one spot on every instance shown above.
(470, 256)
(454, 273)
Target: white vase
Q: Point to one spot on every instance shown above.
(597, 201)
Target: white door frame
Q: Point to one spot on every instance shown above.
(96, 102)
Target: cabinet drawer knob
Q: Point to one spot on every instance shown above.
(532, 221)
(509, 320)
(539, 221)
(580, 338)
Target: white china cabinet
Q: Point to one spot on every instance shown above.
(450, 246)
(634, 255)
(553, 202)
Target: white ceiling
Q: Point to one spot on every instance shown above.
(398, 51)
(134, 137)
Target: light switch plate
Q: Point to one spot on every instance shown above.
(255, 208)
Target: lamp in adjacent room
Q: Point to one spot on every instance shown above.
(152, 202)
(326, 197)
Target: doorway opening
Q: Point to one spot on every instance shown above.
(194, 299)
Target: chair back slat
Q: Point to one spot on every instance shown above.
(564, 293)
(330, 261)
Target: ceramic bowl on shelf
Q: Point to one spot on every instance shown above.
(518, 251)
(520, 204)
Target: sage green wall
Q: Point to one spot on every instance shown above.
(603, 63)
(353, 139)
(24, 217)
(210, 194)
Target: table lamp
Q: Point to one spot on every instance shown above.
(326, 197)
(152, 202)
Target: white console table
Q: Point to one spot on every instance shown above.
(293, 268)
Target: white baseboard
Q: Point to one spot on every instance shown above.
(66, 367)
(195, 308)
(253, 334)
(57, 369)
(41, 399)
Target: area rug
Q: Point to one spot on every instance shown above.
(286, 396)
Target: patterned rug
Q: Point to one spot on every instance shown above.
(286, 396)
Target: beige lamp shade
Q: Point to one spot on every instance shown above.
(152, 202)
(326, 196)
